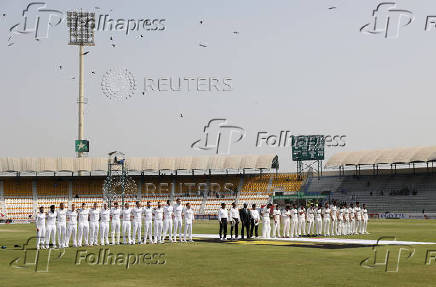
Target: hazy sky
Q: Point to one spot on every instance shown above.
(294, 65)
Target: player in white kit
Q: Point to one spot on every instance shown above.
(318, 220)
(83, 225)
(346, 220)
(364, 219)
(334, 224)
(40, 227)
(266, 227)
(286, 216)
(125, 213)
(148, 223)
(137, 222)
(276, 217)
(310, 214)
(294, 219)
(178, 210)
(158, 223)
(340, 221)
(189, 218)
(61, 225)
(105, 215)
(94, 217)
(358, 211)
(302, 221)
(71, 226)
(326, 219)
(116, 225)
(352, 218)
(168, 221)
(50, 227)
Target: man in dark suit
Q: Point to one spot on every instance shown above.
(244, 214)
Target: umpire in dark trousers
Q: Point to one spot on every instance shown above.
(254, 221)
(223, 216)
(244, 214)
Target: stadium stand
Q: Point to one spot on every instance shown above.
(382, 193)
(18, 199)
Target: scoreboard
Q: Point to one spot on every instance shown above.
(308, 147)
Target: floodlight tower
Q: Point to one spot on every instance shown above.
(81, 26)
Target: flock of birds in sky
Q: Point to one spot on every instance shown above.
(113, 44)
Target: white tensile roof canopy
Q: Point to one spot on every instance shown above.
(66, 164)
(385, 156)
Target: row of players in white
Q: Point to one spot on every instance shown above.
(64, 223)
(325, 221)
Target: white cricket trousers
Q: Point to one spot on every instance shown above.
(93, 232)
(286, 227)
(158, 227)
(104, 233)
(353, 226)
(126, 232)
(294, 228)
(318, 226)
(137, 226)
(310, 227)
(344, 227)
(188, 231)
(340, 227)
(266, 228)
(168, 227)
(276, 229)
(301, 227)
(177, 227)
(50, 233)
(83, 232)
(358, 226)
(40, 235)
(326, 226)
(364, 225)
(115, 231)
(334, 227)
(71, 232)
(61, 230)
(148, 231)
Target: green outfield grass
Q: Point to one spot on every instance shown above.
(230, 264)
